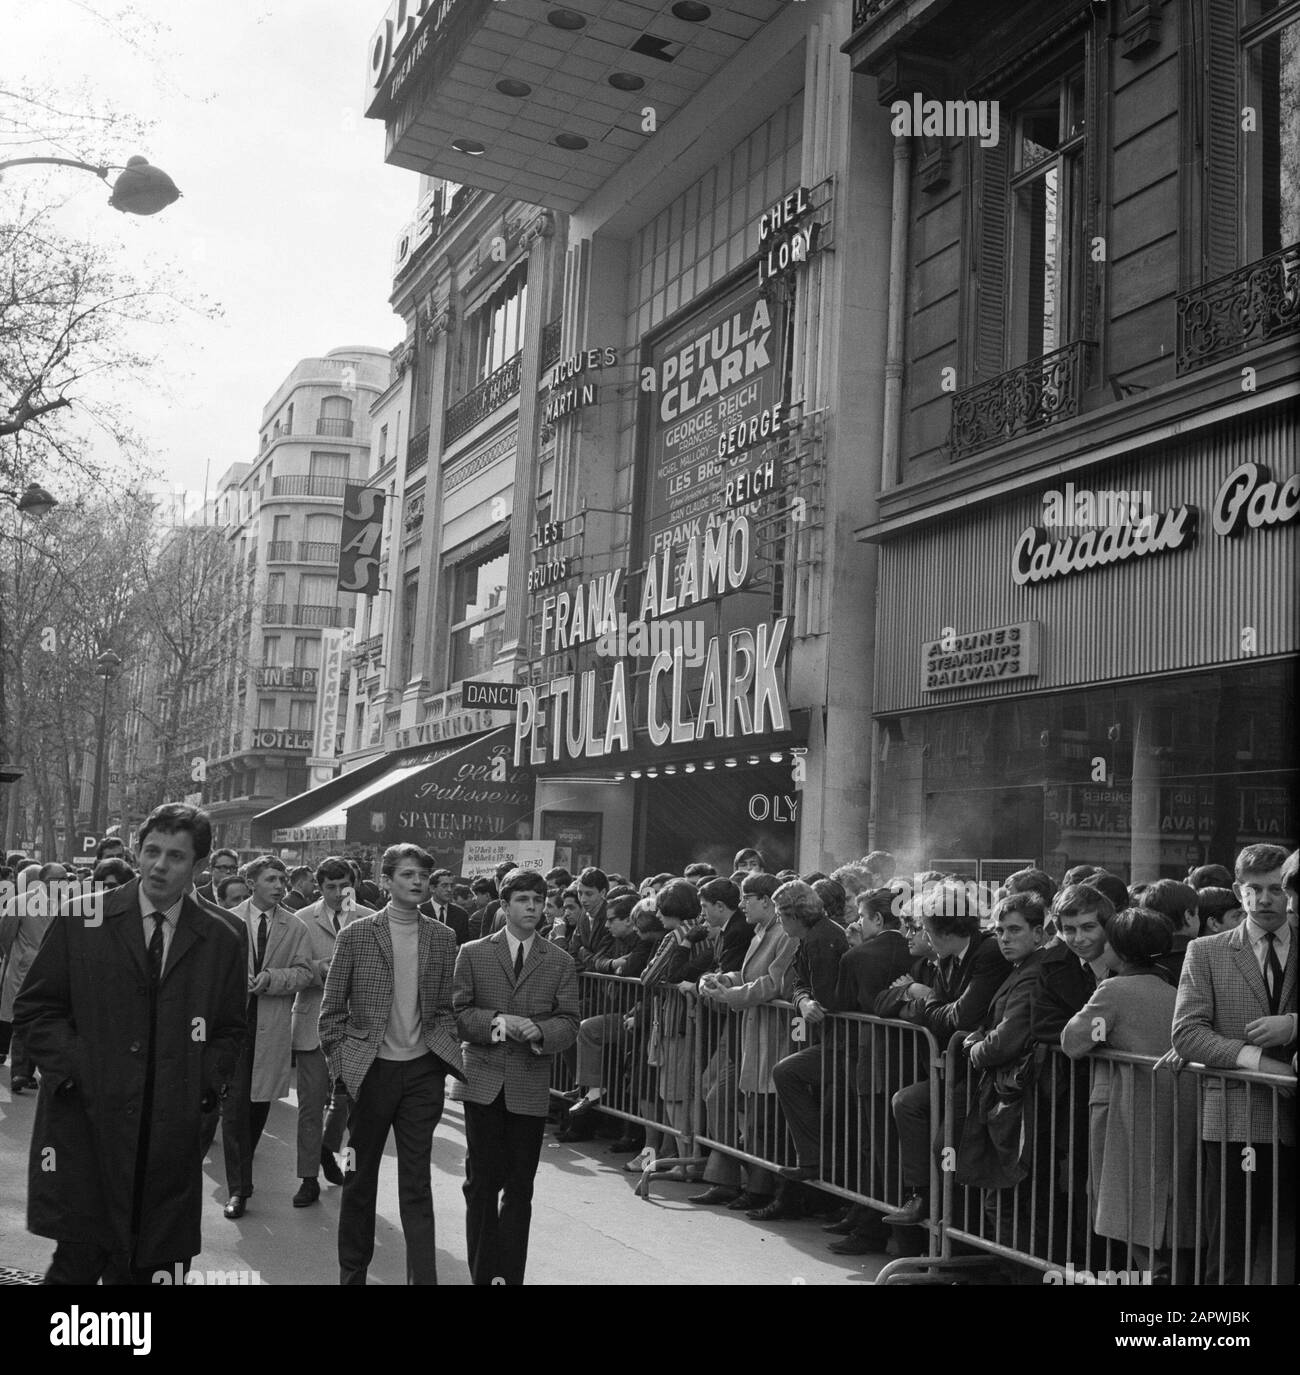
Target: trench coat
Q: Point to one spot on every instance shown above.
(84, 1010)
(23, 925)
(1133, 1110)
(289, 963)
(766, 974)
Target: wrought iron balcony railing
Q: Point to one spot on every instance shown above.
(417, 451)
(490, 394)
(279, 551)
(333, 425)
(321, 615)
(1028, 398)
(1240, 310)
(308, 485)
(275, 613)
(317, 551)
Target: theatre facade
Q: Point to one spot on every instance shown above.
(706, 435)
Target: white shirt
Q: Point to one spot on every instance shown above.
(170, 917)
(251, 918)
(514, 943)
(1248, 1057)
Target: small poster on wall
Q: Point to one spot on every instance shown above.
(482, 856)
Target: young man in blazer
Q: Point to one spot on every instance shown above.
(516, 1002)
(1236, 1009)
(279, 965)
(441, 908)
(324, 919)
(387, 1030)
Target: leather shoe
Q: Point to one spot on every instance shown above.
(571, 1095)
(583, 1109)
(715, 1193)
(857, 1244)
(843, 1228)
(308, 1193)
(911, 1214)
(743, 1202)
(235, 1208)
(21, 1082)
(778, 1210)
(329, 1167)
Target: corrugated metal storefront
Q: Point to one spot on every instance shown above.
(1220, 600)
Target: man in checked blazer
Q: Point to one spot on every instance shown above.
(1236, 1010)
(387, 1030)
(516, 1002)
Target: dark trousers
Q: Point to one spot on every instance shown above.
(798, 1081)
(86, 1262)
(336, 1120)
(1239, 1228)
(918, 1135)
(242, 1120)
(21, 1065)
(406, 1096)
(504, 1148)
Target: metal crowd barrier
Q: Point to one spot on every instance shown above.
(1096, 1172)
(1089, 1171)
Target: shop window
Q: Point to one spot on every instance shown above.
(477, 614)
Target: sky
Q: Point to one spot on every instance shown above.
(288, 215)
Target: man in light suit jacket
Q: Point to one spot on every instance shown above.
(516, 1002)
(387, 1030)
(1236, 1010)
(323, 919)
(279, 965)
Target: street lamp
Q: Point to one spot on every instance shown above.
(142, 189)
(35, 500)
(106, 667)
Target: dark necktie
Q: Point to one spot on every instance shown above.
(1273, 973)
(519, 961)
(261, 943)
(156, 948)
(1089, 978)
(334, 917)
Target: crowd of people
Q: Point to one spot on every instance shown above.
(375, 992)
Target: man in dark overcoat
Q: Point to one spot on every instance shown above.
(134, 1013)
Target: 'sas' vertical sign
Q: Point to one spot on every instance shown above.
(363, 528)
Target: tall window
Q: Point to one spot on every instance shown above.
(300, 713)
(306, 651)
(266, 713)
(1270, 151)
(315, 589)
(495, 329)
(1046, 207)
(271, 649)
(478, 614)
(335, 417)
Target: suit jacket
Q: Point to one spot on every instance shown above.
(547, 992)
(319, 922)
(1007, 1023)
(733, 943)
(359, 997)
(1221, 990)
(26, 919)
(961, 1003)
(1064, 985)
(84, 1012)
(457, 918)
(817, 963)
(295, 901)
(866, 971)
(288, 962)
(591, 937)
